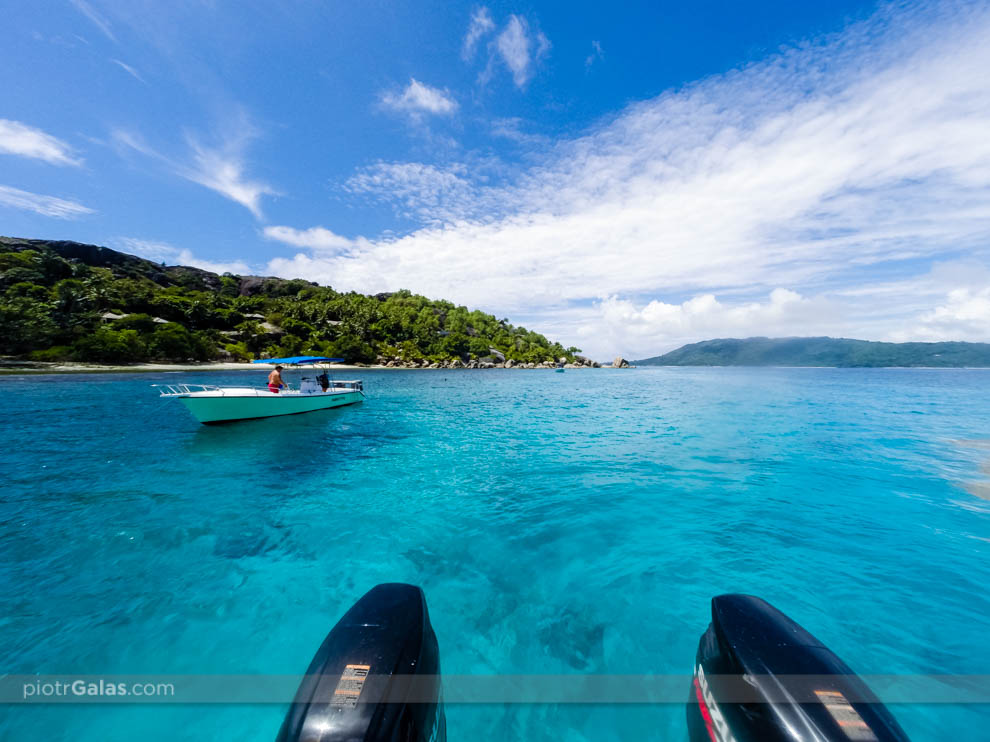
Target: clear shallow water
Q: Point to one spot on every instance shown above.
(559, 523)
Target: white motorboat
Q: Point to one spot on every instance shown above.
(215, 404)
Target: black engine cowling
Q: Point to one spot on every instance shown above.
(760, 676)
(375, 678)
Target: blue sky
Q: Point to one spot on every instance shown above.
(622, 178)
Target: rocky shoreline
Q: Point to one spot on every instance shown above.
(11, 366)
(487, 362)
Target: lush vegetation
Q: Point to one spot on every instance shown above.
(58, 301)
(823, 352)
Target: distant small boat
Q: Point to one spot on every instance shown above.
(559, 370)
(214, 404)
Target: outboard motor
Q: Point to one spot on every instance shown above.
(376, 677)
(760, 676)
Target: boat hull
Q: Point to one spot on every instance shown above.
(213, 410)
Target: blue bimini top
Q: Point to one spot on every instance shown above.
(298, 360)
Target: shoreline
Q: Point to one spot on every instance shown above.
(28, 368)
(34, 368)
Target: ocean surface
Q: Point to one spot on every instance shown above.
(558, 523)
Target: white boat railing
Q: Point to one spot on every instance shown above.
(180, 390)
(183, 390)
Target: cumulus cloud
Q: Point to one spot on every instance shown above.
(163, 252)
(660, 325)
(20, 139)
(480, 26)
(315, 238)
(964, 314)
(59, 208)
(839, 163)
(418, 98)
(705, 313)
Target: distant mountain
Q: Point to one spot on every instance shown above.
(823, 351)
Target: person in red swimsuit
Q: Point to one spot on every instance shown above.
(275, 380)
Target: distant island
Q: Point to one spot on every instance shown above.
(68, 301)
(823, 351)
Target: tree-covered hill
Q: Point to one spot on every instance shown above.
(70, 301)
(823, 351)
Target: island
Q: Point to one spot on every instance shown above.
(67, 301)
(824, 351)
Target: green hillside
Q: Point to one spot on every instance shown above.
(823, 351)
(70, 301)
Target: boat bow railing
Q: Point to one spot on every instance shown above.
(180, 390)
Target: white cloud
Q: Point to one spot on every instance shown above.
(315, 238)
(20, 139)
(596, 54)
(127, 141)
(419, 98)
(220, 168)
(512, 129)
(45, 205)
(129, 70)
(847, 163)
(518, 46)
(185, 257)
(416, 190)
(160, 252)
(964, 315)
(521, 50)
(659, 326)
(481, 25)
(98, 20)
(163, 252)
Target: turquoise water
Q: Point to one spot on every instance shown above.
(559, 523)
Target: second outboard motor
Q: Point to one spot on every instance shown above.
(376, 677)
(760, 676)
